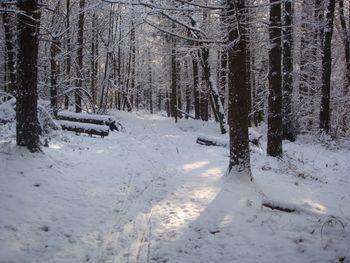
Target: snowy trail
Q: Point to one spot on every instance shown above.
(153, 195)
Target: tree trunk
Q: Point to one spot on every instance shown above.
(9, 61)
(327, 69)
(274, 133)
(27, 125)
(94, 59)
(55, 69)
(196, 87)
(173, 98)
(150, 80)
(238, 113)
(346, 41)
(187, 91)
(80, 42)
(54, 63)
(287, 121)
(217, 107)
(68, 59)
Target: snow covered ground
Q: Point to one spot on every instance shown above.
(152, 194)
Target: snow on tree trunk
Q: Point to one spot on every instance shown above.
(27, 126)
(287, 121)
(238, 113)
(327, 69)
(274, 133)
(80, 41)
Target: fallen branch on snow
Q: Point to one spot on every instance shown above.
(254, 138)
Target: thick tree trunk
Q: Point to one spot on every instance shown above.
(238, 113)
(327, 69)
(27, 125)
(274, 133)
(287, 121)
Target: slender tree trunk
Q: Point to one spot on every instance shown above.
(150, 80)
(179, 89)
(68, 59)
(204, 100)
(55, 69)
(54, 63)
(287, 121)
(27, 125)
(346, 41)
(274, 134)
(9, 61)
(238, 112)
(217, 107)
(188, 91)
(196, 88)
(327, 69)
(80, 42)
(173, 98)
(94, 59)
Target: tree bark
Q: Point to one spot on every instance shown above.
(239, 163)
(27, 125)
(287, 121)
(55, 69)
(68, 58)
(327, 69)
(196, 87)
(274, 133)
(94, 59)
(80, 42)
(10, 56)
(54, 63)
(346, 41)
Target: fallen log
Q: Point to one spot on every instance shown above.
(288, 208)
(85, 118)
(254, 138)
(186, 114)
(211, 141)
(91, 129)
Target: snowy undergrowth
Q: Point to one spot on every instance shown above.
(152, 194)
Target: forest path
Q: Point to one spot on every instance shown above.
(152, 194)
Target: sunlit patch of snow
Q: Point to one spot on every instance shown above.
(193, 166)
(215, 171)
(314, 205)
(55, 146)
